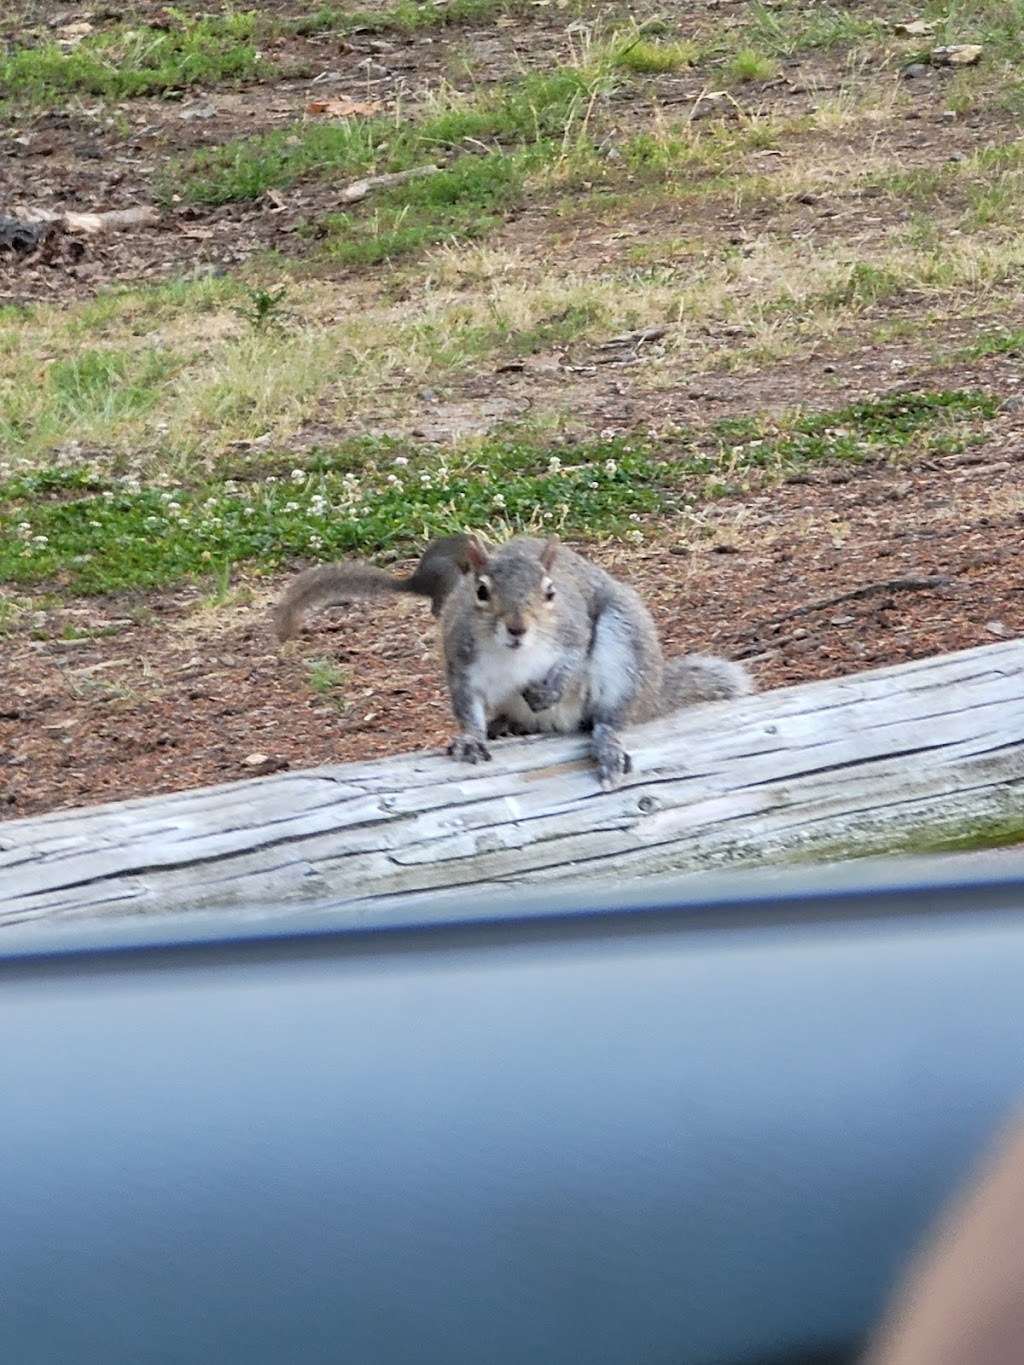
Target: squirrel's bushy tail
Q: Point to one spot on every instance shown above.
(328, 585)
(701, 677)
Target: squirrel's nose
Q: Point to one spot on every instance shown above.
(515, 629)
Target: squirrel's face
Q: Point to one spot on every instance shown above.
(515, 602)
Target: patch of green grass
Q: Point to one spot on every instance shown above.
(95, 535)
(324, 676)
(1001, 342)
(537, 108)
(926, 423)
(135, 309)
(866, 284)
(783, 30)
(406, 16)
(646, 57)
(464, 201)
(572, 322)
(750, 65)
(263, 307)
(133, 59)
(89, 387)
(91, 534)
(512, 131)
(716, 149)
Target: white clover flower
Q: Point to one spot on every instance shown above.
(290, 507)
(401, 461)
(394, 481)
(96, 524)
(40, 540)
(611, 467)
(298, 476)
(24, 529)
(607, 434)
(635, 537)
(315, 542)
(498, 501)
(554, 465)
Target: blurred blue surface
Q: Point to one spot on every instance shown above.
(592, 1139)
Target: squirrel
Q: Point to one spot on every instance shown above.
(442, 564)
(536, 638)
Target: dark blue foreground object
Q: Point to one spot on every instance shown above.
(684, 1135)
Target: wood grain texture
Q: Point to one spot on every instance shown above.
(854, 766)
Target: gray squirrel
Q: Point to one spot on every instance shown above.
(535, 639)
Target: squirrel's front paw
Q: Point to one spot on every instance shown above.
(548, 692)
(613, 762)
(469, 749)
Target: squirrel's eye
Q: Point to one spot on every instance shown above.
(483, 592)
(549, 591)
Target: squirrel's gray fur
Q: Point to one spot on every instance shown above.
(535, 639)
(442, 564)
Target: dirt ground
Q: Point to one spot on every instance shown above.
(846, 568)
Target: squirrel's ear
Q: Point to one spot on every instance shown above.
(547, 555)
(476, 552)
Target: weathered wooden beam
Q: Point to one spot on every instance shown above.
(898, 757)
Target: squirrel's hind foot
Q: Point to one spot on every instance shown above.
(469, 749)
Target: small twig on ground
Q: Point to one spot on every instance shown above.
(359, 189)
(911, 582)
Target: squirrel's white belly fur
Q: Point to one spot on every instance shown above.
(500, 673)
